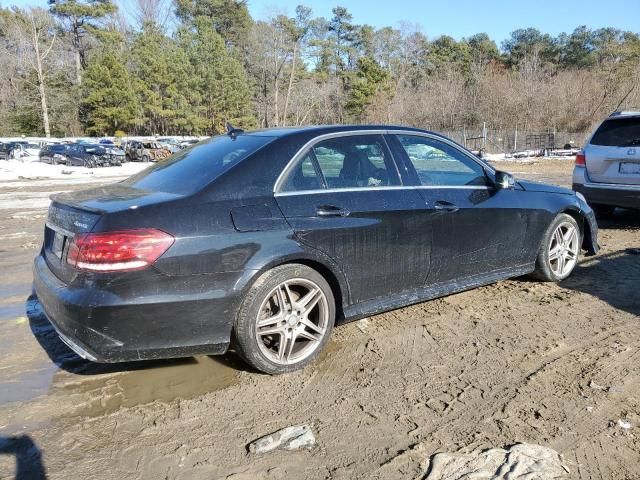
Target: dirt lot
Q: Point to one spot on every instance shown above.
(518, 361)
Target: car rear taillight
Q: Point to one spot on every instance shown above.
(581, 159)
(118, 251)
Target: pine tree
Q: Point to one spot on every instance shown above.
(109, 101)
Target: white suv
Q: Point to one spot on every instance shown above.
(607, 170)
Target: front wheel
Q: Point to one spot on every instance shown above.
(559, 251)
(285, 320)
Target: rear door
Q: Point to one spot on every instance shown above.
(343, 197)
(613, 154)
(477, 228)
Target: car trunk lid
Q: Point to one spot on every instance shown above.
(76, 213)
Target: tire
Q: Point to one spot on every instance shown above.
(309, 331)
(146, 158)
(556, 266)
(603, 211)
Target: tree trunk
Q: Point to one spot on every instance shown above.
(41, 87)
(293, 70)
(78, 68)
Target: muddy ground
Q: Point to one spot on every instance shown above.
(518, 361)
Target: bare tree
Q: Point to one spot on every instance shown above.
(32, 37)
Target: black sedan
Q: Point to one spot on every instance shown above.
(264, 240)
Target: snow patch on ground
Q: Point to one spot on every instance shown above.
(12, 170)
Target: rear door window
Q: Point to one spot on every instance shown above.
(619, 132)
(355, 161)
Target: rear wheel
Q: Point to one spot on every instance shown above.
(559, 250)
(603, 211)
(146, 158)
(285, 320)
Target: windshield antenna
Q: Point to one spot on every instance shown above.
(232, 131)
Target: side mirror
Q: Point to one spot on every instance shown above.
(504, 180)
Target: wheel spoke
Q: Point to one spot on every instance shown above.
(287, 293)
(265, 322)
(271, 331)
(560, 264)
(282, 304)
(308, 323)
(309, 336)
(568, 235)
(554, 253)
(309, 301)
(286, 346)
(558, 236)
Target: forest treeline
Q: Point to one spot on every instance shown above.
(189, 66)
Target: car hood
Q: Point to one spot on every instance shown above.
(530, 186)
(112, 198)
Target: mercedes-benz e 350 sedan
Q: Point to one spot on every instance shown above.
(264, 240)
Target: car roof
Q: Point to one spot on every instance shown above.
(325, 129)
(625, 114)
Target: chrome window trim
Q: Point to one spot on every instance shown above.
(286, 170)
(390, 187)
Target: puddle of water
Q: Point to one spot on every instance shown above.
(147, 382)
(27, 386)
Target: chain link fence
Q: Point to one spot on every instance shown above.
(510, 141)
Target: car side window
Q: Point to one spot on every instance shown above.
(439, 164)
(355, 161)
(304, 175)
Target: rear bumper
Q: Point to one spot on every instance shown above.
(618, 195)
(119, 322)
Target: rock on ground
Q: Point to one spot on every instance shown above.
(289, 438)
(520, 462)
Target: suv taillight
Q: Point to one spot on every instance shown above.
(581, 160)
(118, 251)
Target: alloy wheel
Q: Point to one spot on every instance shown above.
(292, 321)
(563, 249)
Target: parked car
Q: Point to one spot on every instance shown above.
(146, 151)
(188, 143)
(114, 155)
(4, 151)
(54, 153)
(607, 170)
(170, 144)
(26, 152)
(86, 155)
(266, 239)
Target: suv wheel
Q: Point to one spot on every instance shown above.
(559, 251)
(285, 320)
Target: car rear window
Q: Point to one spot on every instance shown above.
(191, 170)
(620, 132)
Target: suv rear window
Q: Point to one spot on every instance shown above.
(620, 132)
(190, 170)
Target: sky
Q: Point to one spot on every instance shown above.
(461, 18)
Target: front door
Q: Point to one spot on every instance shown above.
(344, 198)
(478, 228)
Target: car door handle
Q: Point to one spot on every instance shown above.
(331, 211)
(445, 206)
